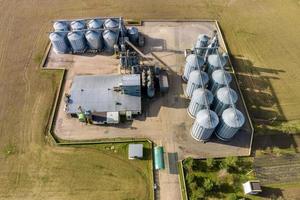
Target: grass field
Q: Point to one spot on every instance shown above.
(262, 36)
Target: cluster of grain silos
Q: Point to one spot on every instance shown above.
(94, 35)
(212, 102)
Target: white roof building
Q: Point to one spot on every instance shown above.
(135, 151)
(252, 187)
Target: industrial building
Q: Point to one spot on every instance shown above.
(101, 99)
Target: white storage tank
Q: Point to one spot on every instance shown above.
(231, 121)
(95, 24)
(204, 125)
(225, 96)
(194, 82)
(202, 41)
(94, 40)
(109, 38)
(219, 78)
(77, 25)
(216, 61)
(59, 42)
(133, 34)
(111, 24)
(77, 41)
(200, 97)
(191, 65)
(60, 26)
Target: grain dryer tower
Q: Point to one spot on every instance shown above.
(133, 34)
(197, 79)
(200, 99)
(219, 78)
(202, 42)
(204, 125)
(193, 62)
(231, 121)
(224, 98)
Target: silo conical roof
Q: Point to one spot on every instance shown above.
(200, 95)
(195, 77)
(77, 25)
(111, 23)
(207, 119)
(95, 24)
(221, 76)
(192, 60)
(214, 60)
(233, 117)
(226, 94)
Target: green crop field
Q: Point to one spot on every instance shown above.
(263, 39)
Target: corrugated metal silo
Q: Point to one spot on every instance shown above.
(60, 26)
(77, 25)
(109, 38)
(94, 40)
(199, 99)
(77, 41)
(204, 125)
(59, 43)
(95, 24)
(231, 121)
(201, 42)
(195, 82)
(214, 62)
(111, 23)
(220, 78)
(223, 99)
(191, 65)
(133, 34)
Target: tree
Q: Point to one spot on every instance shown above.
(230, 163)
(210, 162)
(188, 164)
(208, 184)
(198, 194)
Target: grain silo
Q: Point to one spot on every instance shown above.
(94, 40)
(191, 65)
(111, 24)
(216, 61)
(200, 98)
(95, 24)
(204, 125)
(225, 97)
(77, 41)
(195, 82)
(231, 121)
(219, 78)
(77, 25)
(133, 34)
(110, 39)
(201, 42)
(60, 26)
(59, 42)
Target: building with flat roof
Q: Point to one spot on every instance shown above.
(105, 97)
(135, 151)
(252, 187)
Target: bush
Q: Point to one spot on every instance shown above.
(190, 178)
(210, 162)
(230, 163)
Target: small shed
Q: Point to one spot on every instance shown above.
(135, 151)
(252, 187)
(159, 158)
